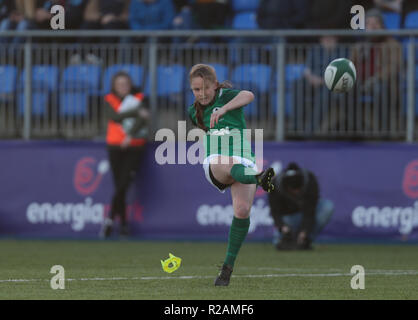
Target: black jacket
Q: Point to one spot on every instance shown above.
(282, 14)
(283, 203)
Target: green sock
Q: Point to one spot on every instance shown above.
(237, 233)
(238, 172)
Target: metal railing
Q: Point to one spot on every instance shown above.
(55, 81)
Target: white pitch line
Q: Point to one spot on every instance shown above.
(276, 275)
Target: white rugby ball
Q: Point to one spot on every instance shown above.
(340, 75)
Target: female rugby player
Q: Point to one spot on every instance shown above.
(229, 161)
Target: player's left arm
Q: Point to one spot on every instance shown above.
(243, 98)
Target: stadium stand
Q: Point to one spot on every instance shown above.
(245, 5)
(392, 20)
(245, 21)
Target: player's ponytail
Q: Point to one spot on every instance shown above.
(199, 116)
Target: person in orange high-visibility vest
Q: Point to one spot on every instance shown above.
(126, 139)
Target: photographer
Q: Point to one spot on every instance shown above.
(298, 212)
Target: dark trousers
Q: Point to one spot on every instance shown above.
(124, 164)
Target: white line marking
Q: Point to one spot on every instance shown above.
(276, 275)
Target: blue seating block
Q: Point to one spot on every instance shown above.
(73, 103)
(44, 77)
(245, 21)
(39, 103)
(83, 77)
(256, 76)
(170, 80)
(411, 20)
(392, 20)
(245, 5)
(8, 77)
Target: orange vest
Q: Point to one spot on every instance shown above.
(115, 133)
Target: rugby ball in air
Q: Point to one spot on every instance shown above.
(340, 75)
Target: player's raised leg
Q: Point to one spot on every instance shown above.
(226, 169)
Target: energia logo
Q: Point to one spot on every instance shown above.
(404, 219)
(410, 180)
(88, 175)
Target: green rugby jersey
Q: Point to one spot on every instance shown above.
(226, 137)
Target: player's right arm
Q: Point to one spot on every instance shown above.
(243, 98)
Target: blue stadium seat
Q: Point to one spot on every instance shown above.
(392, 20)
(73, 103)
(411, 20)
(189, 98)
(39, 103)
(245, 21)
(8, 79)
(44, 77)
(245, 5)
(252, 76)
(84, 77)
(222, 71)
(170, 80)
(136, 72)
(294, 72)
(288, 103)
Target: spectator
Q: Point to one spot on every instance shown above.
(19, 15)
(403, 7)
(378, 61)
(324, 104)
(325, 14)
(203, 14)
(101, 15)
(366, 4)
(106, 14)
(151, 14)
(211, 14)
(183, 19)
(298, 212)
(389, 5)
(6, 7)
(126, 140)
(74, 10)
(318, 59)
(282, 14)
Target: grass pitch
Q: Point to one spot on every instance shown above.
(132, 270)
